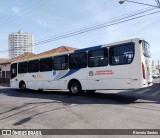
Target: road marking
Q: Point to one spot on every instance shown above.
(155, 93)
(143, 91)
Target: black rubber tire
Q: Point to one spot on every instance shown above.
(23, 86)
(75, 88)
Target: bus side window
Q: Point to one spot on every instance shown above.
(22, 67)
(60, 62)
(98, 58)
(78, 60)
(33, 66)
(146, 49)
(122, 54)
(13, 70)
(46, 64)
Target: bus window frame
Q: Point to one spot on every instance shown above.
(19, 67)
(103, 48)
(146, 54)
(30, 67)
(86, 57)
(16, 72)
(61, 62)
(40, 63)
(119, 45)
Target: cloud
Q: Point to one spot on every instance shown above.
(16, 11)
(40, 22)
(45, 24)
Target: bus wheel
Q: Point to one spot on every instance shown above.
(75, 88)
(22, 86)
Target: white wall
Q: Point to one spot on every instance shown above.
(6, 70)
(5, 67)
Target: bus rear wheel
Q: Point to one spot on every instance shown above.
(75, 88)
(22, 86)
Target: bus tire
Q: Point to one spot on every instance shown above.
(75, 88)
(22, 86)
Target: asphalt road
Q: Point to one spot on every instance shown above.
(109, 109)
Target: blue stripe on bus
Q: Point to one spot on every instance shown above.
(87, 49)
(72, 71)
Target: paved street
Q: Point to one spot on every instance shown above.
(135, 109)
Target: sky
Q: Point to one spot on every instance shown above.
(46, 19)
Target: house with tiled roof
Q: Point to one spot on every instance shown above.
(54, 51)
(2, 60)
(20, 57)
(5, 66)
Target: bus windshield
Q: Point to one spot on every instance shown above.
(146, 49)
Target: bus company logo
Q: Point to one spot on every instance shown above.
(54, 73)
(91, 73)
(37, 76)
(104, 72)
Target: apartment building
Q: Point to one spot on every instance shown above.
(20, 43)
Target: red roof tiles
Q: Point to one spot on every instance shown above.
(31, 55)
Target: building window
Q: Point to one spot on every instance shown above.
(46, 64)
(60, 62)
(122, 54)
(7, 74)
(3, 74)
(78, 60)
(33, 66)
(98, 58)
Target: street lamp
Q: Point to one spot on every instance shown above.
(122, 1)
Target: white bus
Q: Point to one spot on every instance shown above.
(121, 65)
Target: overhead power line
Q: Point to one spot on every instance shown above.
(142, 29)
(124, 16)
(27, 9)
(113, 20)
(96, 27)
(91, 29)
(86, 14)
(5, 17)
(158, 3)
